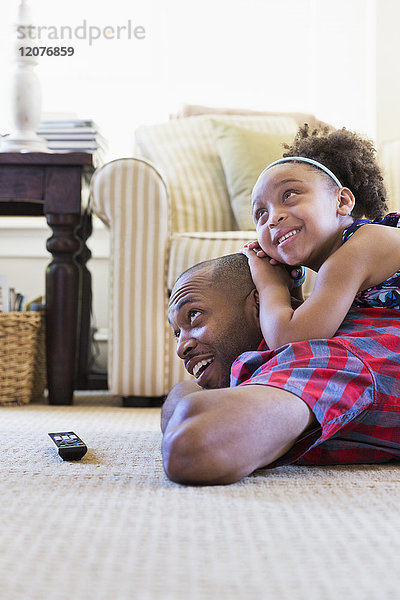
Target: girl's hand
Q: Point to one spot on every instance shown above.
(295, 272)
(255, 247)
(263, 272)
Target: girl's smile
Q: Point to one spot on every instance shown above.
(279, 239)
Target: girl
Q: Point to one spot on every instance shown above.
(308, 209)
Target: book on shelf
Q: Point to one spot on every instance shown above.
(69, 135)
(11, 300)
(4, 294)
(57, 123)
(73, 145)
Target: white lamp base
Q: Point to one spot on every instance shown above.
(23, 142)
(26, 99)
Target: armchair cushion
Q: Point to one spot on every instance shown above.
(244, 153)
(185, 152)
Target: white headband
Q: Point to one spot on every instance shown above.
(305, 160)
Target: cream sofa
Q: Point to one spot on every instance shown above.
(174, 204)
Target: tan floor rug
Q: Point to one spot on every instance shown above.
(112, 527)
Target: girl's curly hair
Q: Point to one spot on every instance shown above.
(352, 159)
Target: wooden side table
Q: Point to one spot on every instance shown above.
(50, 184)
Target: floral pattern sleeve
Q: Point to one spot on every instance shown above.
(387, 293)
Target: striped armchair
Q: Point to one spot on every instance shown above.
(167, 210)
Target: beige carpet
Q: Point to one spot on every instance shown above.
(112, 527)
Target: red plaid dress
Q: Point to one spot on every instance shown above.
(351, 383)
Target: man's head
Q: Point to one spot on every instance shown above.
(213, 311)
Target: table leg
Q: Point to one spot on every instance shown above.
(85, 303)
(62, 293)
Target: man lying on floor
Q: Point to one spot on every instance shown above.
(331, 401)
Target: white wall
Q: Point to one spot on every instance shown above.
(388, 71)
(310, 55)
(23, 258)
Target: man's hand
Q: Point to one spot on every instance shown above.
(179, 391)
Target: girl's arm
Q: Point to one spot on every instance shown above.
(370, 256)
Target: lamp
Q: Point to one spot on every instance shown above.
(26, 97)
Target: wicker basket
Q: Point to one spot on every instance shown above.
(22, 357)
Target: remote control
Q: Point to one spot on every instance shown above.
(70, 446)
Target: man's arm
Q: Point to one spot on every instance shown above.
(178, 392)
(220, 436)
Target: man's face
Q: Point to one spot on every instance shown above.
(211, 330)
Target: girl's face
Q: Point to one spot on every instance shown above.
(295, 210)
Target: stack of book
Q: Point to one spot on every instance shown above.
(73, 135)
(10, 300)
(4, 294)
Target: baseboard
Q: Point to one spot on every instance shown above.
(142, 401)
(96, 381)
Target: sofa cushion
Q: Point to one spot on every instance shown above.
(185, 152)
(244, 154)
(191, 110)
